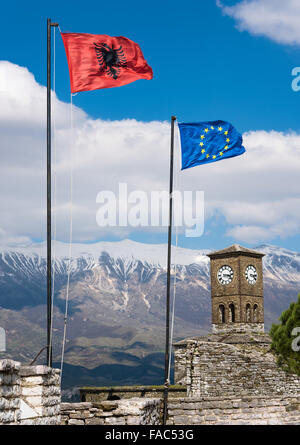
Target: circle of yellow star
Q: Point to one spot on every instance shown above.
(221, 153)
(226, 147)
(212, 127)
(227, 140)
(226, 132)
(202, 136)
(214, 156)
(203, 151)
(201, 143)
(206, 130)
(220, 128)
(207, 156)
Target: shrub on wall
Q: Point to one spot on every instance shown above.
(286, 338)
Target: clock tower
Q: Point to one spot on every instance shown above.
(237, 290)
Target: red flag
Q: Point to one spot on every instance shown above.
(100, 61)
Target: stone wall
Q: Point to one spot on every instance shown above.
(280, 410)
(9, 392)
(217, 369)
(133, 411)
(231, 364)
(235, 411)
(227, 384)
(238, 327)
(40, 390)
(29, 394)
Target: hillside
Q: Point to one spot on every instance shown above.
(117, 304)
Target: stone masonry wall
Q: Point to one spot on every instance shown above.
(218, 369)
(133, 411)
(251, 341)
(29, 394)
(9, 392)
(40, 390)
(235, 411)
(255, 410)
(238, 327)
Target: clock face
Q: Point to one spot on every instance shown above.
(251, 274)
(225, 274)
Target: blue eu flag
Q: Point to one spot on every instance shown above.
(204, 142)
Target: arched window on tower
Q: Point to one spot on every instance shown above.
(255, 313)
(231, 313)
(248, 313)
(222, 313)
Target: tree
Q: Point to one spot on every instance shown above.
(286, 338)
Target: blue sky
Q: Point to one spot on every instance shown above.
(205, 68)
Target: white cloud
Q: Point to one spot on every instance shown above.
(251, 234)
(275, 19)
(257, 193)
(254, 234)
(105, 153)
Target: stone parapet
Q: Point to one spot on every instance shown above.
(29, 394)
(133, 411)
(40, 390)
(9, 392)
(256, 410)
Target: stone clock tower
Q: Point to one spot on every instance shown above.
(234, 364)
(237, 290)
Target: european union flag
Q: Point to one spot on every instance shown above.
(204, 142)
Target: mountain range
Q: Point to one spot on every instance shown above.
(116, 315)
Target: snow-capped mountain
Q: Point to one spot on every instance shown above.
(117, 297)
(123, 258)
(280, 264)
(127, 250)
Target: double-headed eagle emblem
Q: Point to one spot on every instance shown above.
(111, 60)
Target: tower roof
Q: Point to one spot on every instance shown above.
(235, 250)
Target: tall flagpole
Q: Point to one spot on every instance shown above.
(166, 385)
(49, 265)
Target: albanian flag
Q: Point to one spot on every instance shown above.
(100, 61)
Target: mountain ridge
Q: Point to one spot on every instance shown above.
(117, 302)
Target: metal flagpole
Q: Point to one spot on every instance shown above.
(49, 282)
(166, 385)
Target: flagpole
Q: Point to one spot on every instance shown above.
(49, 278)
(166, 385)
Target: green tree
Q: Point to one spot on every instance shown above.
(284, 341)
